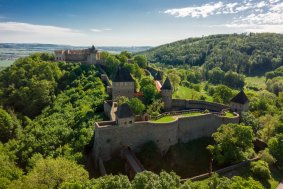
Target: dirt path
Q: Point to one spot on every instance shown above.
(280, 186)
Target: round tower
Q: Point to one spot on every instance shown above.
(166, 93)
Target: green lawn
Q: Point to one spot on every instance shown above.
(164, 119)
(192, 114)
(188, 93)
(256, 83)
(229, 114)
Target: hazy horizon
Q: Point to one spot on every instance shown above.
(132, 23)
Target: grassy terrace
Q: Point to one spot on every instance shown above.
(164, 119)
(169, 118)
(229, 114)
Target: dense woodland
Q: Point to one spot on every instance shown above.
(48, 110)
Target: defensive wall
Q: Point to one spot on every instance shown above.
(111, 138)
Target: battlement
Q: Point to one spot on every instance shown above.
(90, 56)
(110, 138)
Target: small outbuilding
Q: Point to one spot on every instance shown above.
(125, 115)
(240, 103)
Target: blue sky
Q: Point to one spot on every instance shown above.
(132, 22)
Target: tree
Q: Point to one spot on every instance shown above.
(261, 170)
(29, 85)
(149, 93)
(121, 100)
(146, 180)
(136, 105)
(247, 118)
(9, 126)
(234, 143)
(222, 94)
(234, 80)
(110, 181)
(275, 148)
(241, 183)
(141, 61)
(175, 79)
(51, 173)
(9, 171)
(216, 75)
(155, 108)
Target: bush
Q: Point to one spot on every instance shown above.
(196, 87)
(260, 169)
(267, 157)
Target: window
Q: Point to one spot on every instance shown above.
(130, 122)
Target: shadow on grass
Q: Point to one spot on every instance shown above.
(185, 159)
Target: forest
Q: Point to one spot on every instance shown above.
(48, 110)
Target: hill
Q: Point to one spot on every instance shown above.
(250, 54)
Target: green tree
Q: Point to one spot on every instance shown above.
(9, 126)
(146, 180)
(216, 75)
(9, 171)
(121, 100)
(29, 85)
(175, 80)
(136, 105)
(233, 143)
(141, 61)
(110, 181)
(149, 93)
(275, 148)
(241, 183)
(51, 173)
(261, 170)
(222, 94)
(154, 109)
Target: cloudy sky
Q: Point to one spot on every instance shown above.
(132, 22)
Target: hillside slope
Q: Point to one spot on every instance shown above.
(251, 54)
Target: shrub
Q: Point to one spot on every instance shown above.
(260, 169)
(267, 157)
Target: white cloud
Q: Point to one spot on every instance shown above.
(17, 32)
(100, 30)
(250, 15)
(37, 29)
(257, 28)
(215, 8)
(200, 11)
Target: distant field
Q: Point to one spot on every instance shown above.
(6, 63)
(256, 82)
(188, 93)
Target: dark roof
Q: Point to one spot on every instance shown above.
(124, 111)
(240, 98)
(158, 76)
(167, 85)
(123, 75)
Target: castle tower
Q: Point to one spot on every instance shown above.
(123, 84)
(166, 93)
(124, 115)
(240, 103)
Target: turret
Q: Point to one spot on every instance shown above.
(240, 103)
(123, 84)
(124, 115)
(166, 93)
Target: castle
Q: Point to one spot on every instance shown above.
(127, 130)
(89, 56)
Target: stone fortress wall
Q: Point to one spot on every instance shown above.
(111, 138)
